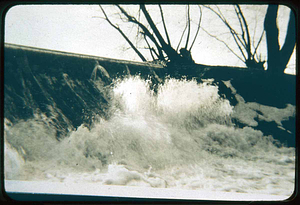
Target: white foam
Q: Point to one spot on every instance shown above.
(180, 138)
(93, 189)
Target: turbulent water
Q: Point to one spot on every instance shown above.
(178, 134)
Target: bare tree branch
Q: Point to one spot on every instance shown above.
(235, 37)
(241, 25)
(149, 47)
(124, 36)
(145, 30)
(160, 56)
(255, 49)
(165, 27)
(138, 32)
(139, 17)
(223, 43)
(242, 41)
(232, 31)
(248, 43)
(254, 33)
(189, 27)
(181, 37)
(158, 44)
(221, 15)
(167, 48)
(198, 28)
(153, 26)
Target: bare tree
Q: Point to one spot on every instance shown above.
(247, 48)
(160, 48)
(278, 58)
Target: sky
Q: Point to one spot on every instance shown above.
(82, 29)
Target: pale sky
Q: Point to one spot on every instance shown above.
(78, 29)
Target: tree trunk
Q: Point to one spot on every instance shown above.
(278, 58)
(171, 53)
(290, 41)
(272, 39)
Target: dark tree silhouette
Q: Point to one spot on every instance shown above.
(160, 49)
(242, 38)
(278, 58)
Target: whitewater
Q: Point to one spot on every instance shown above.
(176, 135)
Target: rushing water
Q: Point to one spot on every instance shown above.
(179, 136)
